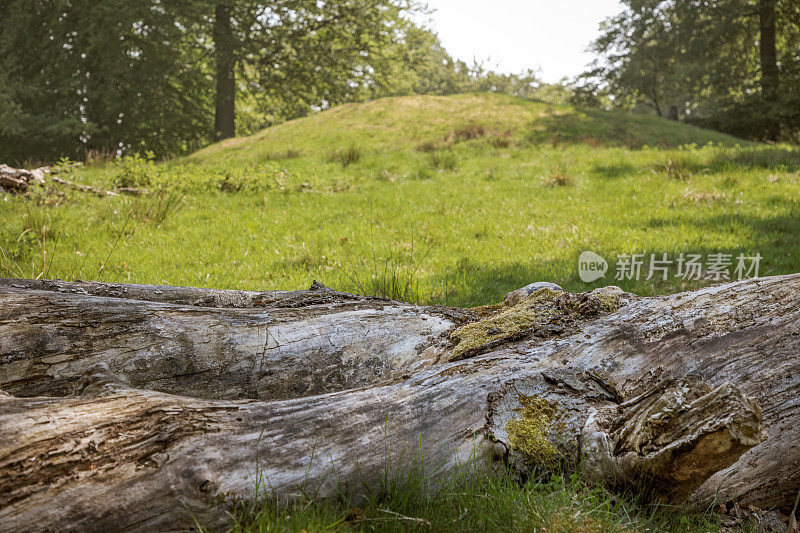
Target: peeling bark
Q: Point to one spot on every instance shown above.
(135, 406)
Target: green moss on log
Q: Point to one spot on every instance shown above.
(528, 433)
(545, 312)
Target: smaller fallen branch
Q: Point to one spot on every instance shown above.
(399, 516)
(84, 188)
(20, 181)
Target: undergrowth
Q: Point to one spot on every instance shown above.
(469, 499)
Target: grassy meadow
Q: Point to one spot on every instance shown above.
(442, 200)
(452, 200)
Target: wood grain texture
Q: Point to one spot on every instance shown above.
(132, 409)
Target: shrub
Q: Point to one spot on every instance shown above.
(470, 131)
(347, 156)
(64, 166)
(443, 160)
(559, 177)
(135, 170)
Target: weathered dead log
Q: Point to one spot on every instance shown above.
(19, 179)
(132, 406)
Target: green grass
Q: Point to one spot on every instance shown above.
(473, 501)
(453, 200)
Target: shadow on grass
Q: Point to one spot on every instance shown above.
(596, 128)
(615, 170)
(472, 283)
(682, 164)
(759, 157)
(774, 237)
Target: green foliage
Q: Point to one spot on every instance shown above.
(125, 78)
(432, 71)
(697, 61)
(117, 75)
(135, 170)
(130, 77)
(65, 167)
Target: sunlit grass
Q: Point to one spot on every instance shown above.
(461, 222)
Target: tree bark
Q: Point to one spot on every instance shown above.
(147, 407)
(224, 46)
(673, 112)
(769, 65)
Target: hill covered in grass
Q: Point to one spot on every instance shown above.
(438, 122)
(454, 200)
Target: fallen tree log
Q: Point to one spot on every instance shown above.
(141, 407)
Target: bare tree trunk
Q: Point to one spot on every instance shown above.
(136, 407)
(673, 112)
(769, 65)
(225, 117)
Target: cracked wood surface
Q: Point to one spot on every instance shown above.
(291, 344)
(717, 368)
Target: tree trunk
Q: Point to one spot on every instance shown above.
(146, 407)
(673, 112)
(769, 66)
(225, 116)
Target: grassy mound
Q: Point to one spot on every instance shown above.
(431, 123)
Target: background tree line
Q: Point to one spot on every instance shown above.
(731, 65)
(170, 76)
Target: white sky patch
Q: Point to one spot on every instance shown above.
(514, 35)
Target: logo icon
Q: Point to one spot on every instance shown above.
(591, 267)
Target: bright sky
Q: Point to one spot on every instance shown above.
(551, 35)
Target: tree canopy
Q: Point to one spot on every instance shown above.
(170, 76)
(733, 65)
